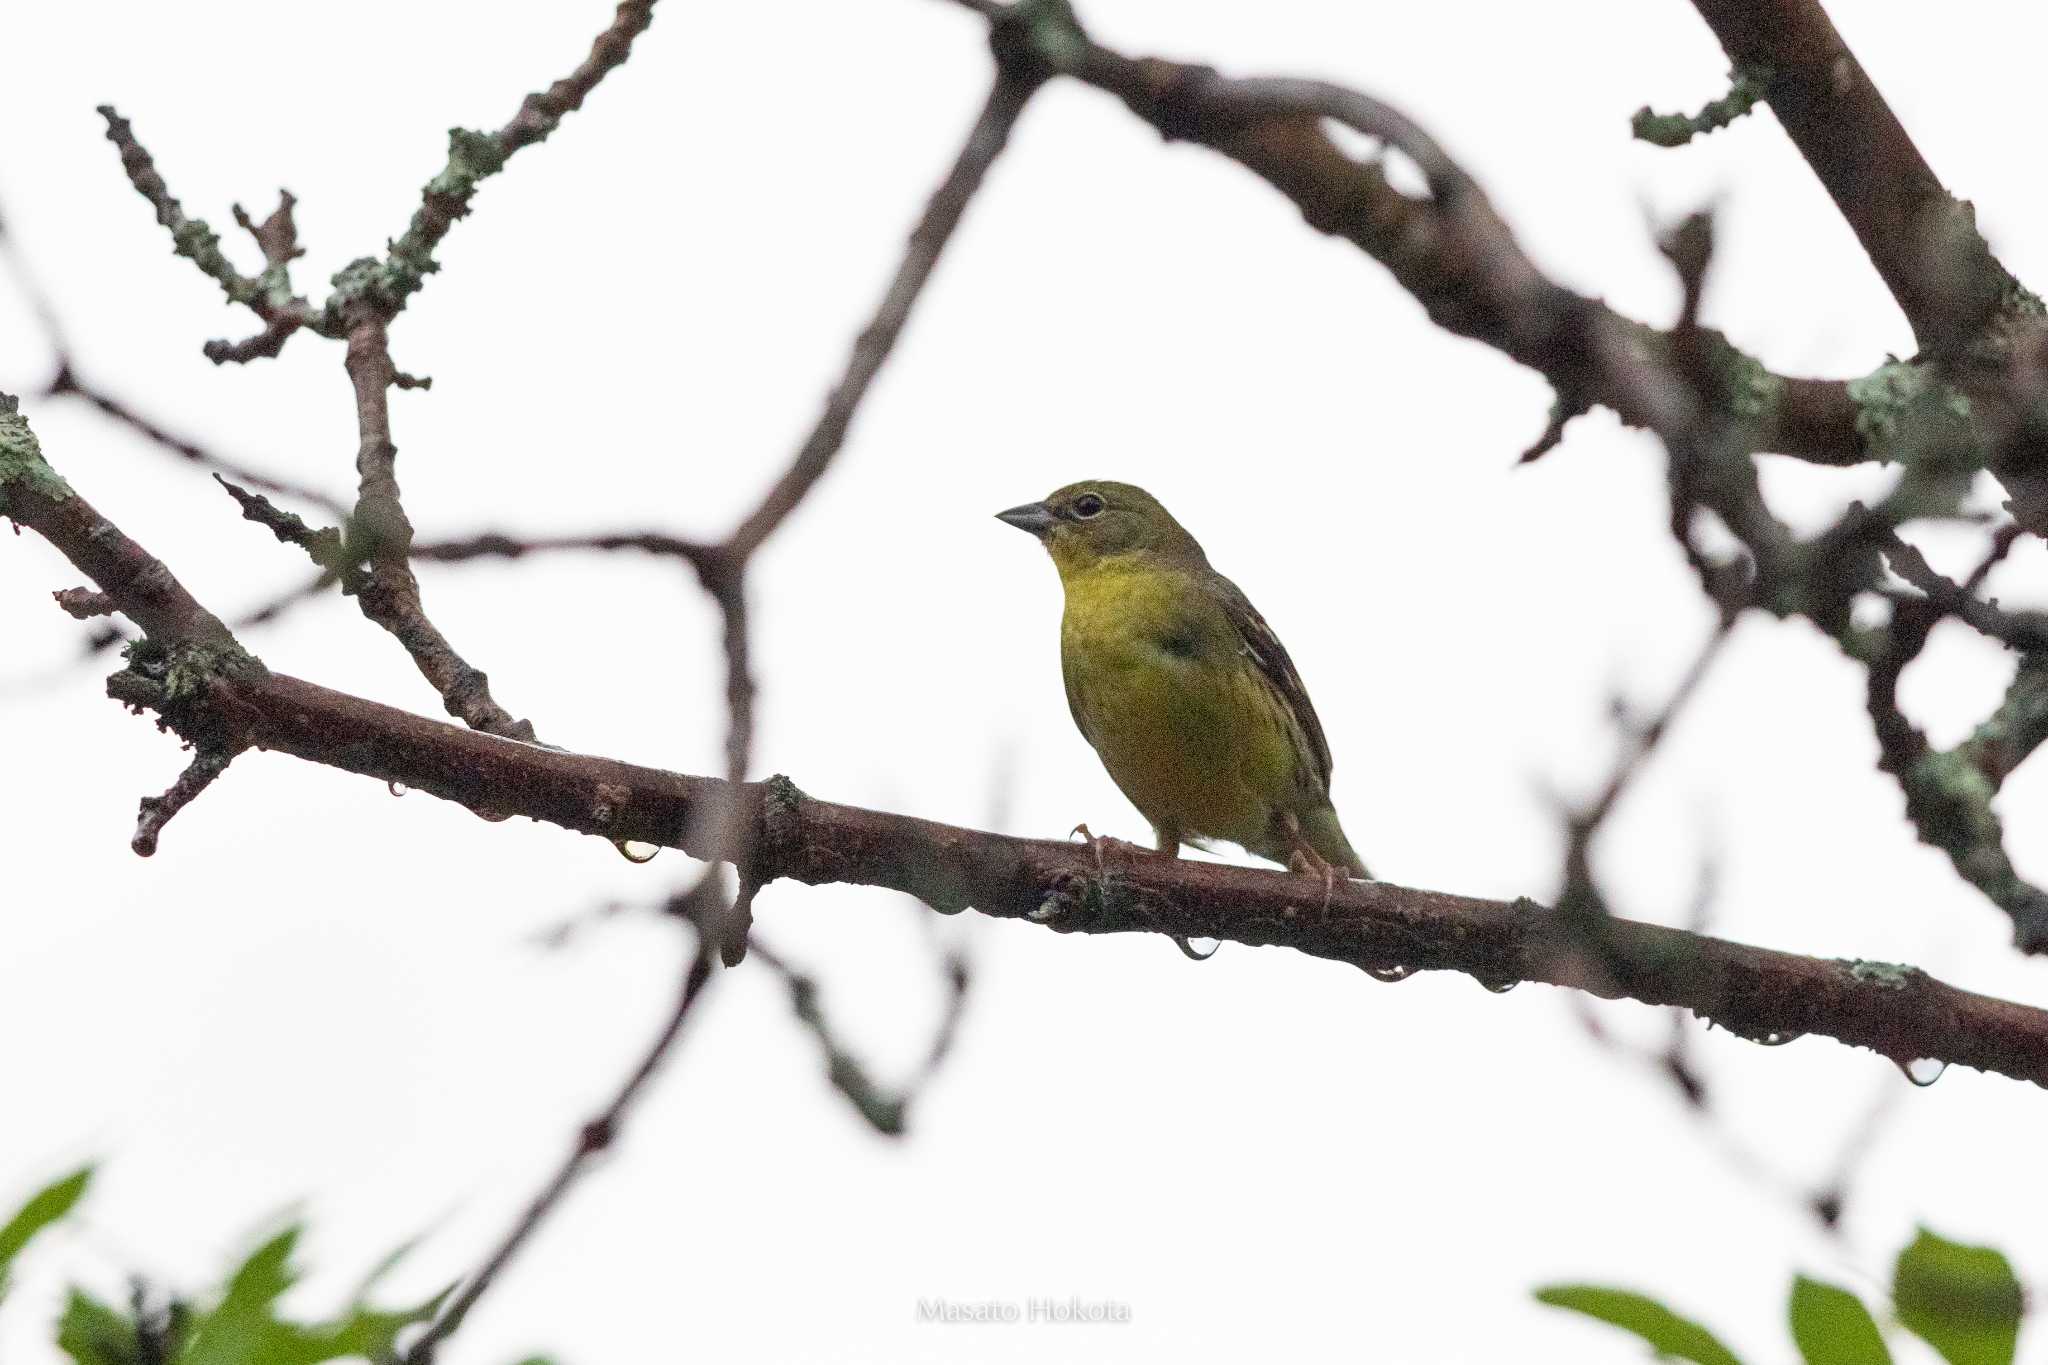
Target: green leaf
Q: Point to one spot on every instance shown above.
(93, 1334)
(1963, 1301)
(43, 1208)
(1669, 1335)
(261, 1280)
(242, 1329)
(379, 1271)
(1833, 1327)
(373, 1332)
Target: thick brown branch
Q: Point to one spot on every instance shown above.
(221, 693)
(1451, 251)
(1900, 1013)
(1924, 243)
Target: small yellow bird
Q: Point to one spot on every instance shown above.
(1181, 686)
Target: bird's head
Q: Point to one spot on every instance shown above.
(1085, 523)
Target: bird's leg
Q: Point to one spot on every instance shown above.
(1303, 858)
(1169, 845)
(1097, 844)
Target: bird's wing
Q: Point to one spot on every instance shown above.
(1264, 649)
(1072, 677)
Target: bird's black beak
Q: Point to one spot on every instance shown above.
(1034, 517)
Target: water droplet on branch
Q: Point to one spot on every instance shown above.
(1390, 974)
(633, 851)
(397, 788)
(1923, 1071)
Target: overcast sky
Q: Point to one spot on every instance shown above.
(320, 998)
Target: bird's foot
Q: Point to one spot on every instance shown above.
(1099, 845)
(1307, 861)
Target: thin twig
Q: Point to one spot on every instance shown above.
(885, 1108)
(208, 763)
(593, 1138)
(381, 534)
(1013, 87)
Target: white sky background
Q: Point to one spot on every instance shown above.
(316, 996)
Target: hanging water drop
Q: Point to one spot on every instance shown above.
(1923, 1071)
(1390, 974)
(1777, 1037)
(633, 851)
(1499, 987)
(397, 788)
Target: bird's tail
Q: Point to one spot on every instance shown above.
(1323, 833)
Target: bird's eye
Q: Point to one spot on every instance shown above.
(1087, 505)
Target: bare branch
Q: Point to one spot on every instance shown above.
(380, 534)
(474, 157)
(593, 1138)
(201, 683)
(885, 1108)
(1450, 251)
(2021, 629)
(83, 603)
(1014, 83)
(207, 764)
(1924, 243)
(68, 382)
(503, 545)
(269, 295)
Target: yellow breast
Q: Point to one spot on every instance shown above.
(1181, 717)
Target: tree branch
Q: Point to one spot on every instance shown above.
(593, 1138)
(1014, 83)
(1451, 251)
(1898, 1012)
(380, 533)
(210, 689)
(474, 157)
(1923, 242)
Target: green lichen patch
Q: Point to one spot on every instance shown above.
(1044, 31)
(1748, 389)
(782, 792)
(471, 157)
(2020, 301)
(188, 668)
(1891, 976)
(1746, 89)
(1963, 792)
(369, 281)
(1905, 412)
(1882, 398)
(21, 457)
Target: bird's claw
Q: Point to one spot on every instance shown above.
(1307, 862)
(1098, 844)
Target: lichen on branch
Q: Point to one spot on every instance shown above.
(1746, 87)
